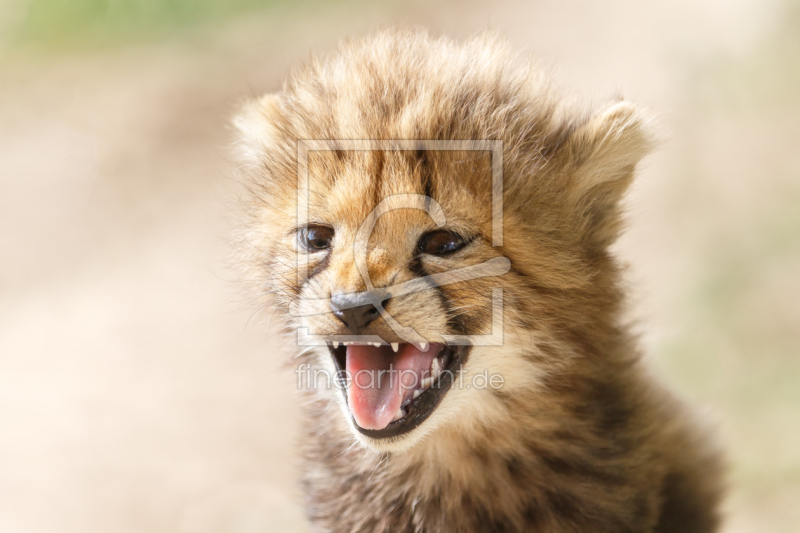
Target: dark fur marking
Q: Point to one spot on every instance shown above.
(683, 509)
(484, 519)
(579, 468)
(564, 505)
(532, 515)
(425, 173)
(379, 162)
(319, 267)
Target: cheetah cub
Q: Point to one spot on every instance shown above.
(432, 222)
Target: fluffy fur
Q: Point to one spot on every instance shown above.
(579, 438)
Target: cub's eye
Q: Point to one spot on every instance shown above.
(316, 238)
(441, 242)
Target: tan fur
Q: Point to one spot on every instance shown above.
(579, 438)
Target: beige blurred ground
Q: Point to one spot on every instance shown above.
(135, 396)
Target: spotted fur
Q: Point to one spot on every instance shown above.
(579, 438)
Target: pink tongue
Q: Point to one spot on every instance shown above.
(375, 392)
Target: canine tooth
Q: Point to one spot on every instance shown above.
(423, 346)
(427, 382)
(395, 346)
(417, 393)
(399, 414)
(335, 345)
(435, 368)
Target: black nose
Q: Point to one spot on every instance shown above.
(348, 310)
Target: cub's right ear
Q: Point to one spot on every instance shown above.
(600, 157)
(258, 124)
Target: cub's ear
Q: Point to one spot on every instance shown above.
(258, 124)
(600, 159)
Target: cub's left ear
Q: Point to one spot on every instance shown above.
(601, 156)
(258, 124)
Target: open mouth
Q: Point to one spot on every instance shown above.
(393, 387)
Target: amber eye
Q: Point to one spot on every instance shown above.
(441, 242)
(316, 238)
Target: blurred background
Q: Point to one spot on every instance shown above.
(136, 393)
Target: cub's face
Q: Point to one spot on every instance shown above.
(389, 272)
(383, 261)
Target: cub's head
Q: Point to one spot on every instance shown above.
(432, 222)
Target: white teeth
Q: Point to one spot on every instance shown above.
(399, 414)
(427, 382)
(435, 368)
(417, 393)
(395, 346)
(348, 343)
(423, 346)
(335, 345)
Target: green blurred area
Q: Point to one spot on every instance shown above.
(97, 22)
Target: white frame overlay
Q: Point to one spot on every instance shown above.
(304, 146)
